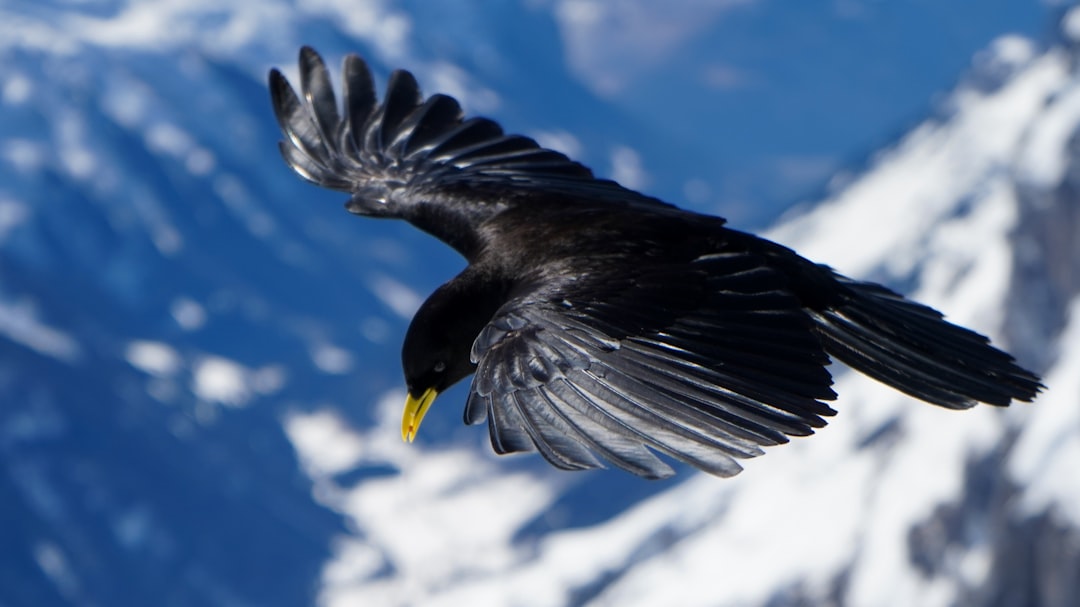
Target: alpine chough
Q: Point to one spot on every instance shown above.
(601, 324)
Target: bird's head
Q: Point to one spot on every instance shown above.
(436, 351)
(432, 362)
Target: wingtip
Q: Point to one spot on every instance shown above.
(402, 96)
(307, 52)
(405, 139)
(310, 60)
(277, 83)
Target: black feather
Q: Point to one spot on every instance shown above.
(359, 98)
(319, 94)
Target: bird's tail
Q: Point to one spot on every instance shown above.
(912, 348)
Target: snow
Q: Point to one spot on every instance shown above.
(188, 313)
(781, 521)
(441, 540)
(219, 379)
(25, 156)
(1010, 51)
(560, 141)
(76, 154)
(12, 213)
(54, 563)
(332, 359)
(132, 528)
(19, 323)
(626, 168)
(917, 184)
(384, 27)
(1046, 456)
(16, 89)
(19, 31)
(168, 139)
(375, 329)
(1070, 24)
(141, 24)
(165, 236)
(967, 261)
(719, 530)
(268, 380)
(200, 162)
(153, 357)
(437, 525)
(166, 24)
(323, 441)
(219, 26)
(609, 47)
(450, 79)
(401, 299)
(1044, 155)
(224, 381)
(238, 199)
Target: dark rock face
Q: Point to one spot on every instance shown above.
(1037, 563)
(1046, 277)
(1021, 558)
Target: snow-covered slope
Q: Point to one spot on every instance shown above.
(199, 395)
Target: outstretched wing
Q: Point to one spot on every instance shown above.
(389, 154)
(706, 362)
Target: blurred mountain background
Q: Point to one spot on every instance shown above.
(199, 380)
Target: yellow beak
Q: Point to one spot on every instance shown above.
(415, 410)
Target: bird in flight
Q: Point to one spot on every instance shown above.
(601, 324)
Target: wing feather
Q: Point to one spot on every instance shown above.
(402, 98)
(507, 428)
(359, 99)
(319, 94)
(296, 120)
(604, 434)
(622, 366)
(438, 114)
(662, 434)
(406, 148)
(560, 443)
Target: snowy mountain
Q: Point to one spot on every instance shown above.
(199, 386)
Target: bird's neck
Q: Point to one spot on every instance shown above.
(458, 225)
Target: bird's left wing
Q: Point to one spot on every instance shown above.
(705, 362)
(407, 147)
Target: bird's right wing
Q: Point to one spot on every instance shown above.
(408, 147)
(705, 362)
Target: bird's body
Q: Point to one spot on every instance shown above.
(600, 323)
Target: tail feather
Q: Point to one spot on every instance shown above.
(912, 348)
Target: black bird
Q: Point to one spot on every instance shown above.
(601, 323)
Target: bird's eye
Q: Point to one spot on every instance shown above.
(440, 367)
